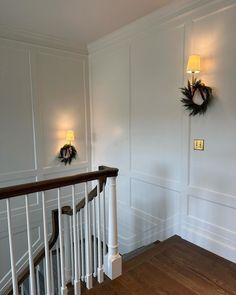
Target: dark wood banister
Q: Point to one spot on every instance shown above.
(39, 186)
(19, 190)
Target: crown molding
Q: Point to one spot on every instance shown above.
(15, 34)
(157, 17)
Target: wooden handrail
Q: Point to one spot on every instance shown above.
(39, 186)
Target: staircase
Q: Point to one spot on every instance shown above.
(83, 245)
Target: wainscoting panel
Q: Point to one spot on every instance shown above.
(16, 122)
(216, 214)
(62, 105)
(157, 202)
(110, 105)
(156, 114)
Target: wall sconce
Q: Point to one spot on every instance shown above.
(68, 151)
(194, 65)
(196, 95)
(70, 136)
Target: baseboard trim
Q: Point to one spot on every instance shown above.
(209, 241)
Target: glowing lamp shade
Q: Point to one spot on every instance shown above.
(70, 136)
(194, 64)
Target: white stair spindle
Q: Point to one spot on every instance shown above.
(77, 289)
(12, 256)
(62, 268)
(79, 248)
(98, 215)
(38, 280)
(82, 246)
(22, 289)
(46, 247)
(67, 249)
(52, 273)
(72, 252)
(90, 236)
(94, 239)
(44, 275)
(58, 267)
(113, 263)
(30, 252)
(104, 220)
(89, 282)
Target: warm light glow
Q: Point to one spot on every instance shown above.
(70, 136)
(194, 64)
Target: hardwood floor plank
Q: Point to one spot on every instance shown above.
(186, 277)
(157, 282)
(134, 262)
(210, 269)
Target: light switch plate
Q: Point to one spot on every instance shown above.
(198, 144)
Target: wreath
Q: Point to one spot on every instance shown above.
(196, 97)
(67, 154)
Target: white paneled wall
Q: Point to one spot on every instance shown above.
(43, 93)
(140, 126)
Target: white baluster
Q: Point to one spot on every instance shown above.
(58, 267)
(22, 289)
(38, 280)
(104, 220)
(98, 215)
(77, 289)
(78, 239)
(89, 282)
(44, 275)
(52, 274)
(12, 256)
(82, 246)
(72, 253)
(90, 236)
(46, 247)
(113, 261)
(62, 272)
(94, 240)
(30, 252)
(67, 248)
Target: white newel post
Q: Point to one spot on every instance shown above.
(113, 261)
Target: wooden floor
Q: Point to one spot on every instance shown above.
(173, 267)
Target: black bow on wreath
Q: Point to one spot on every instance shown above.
(190, 91)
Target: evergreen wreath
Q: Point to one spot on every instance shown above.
(189, 92)
(67, 154)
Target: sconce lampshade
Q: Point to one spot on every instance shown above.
(70, 136)
(194, 64)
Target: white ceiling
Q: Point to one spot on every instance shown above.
(78, 21)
